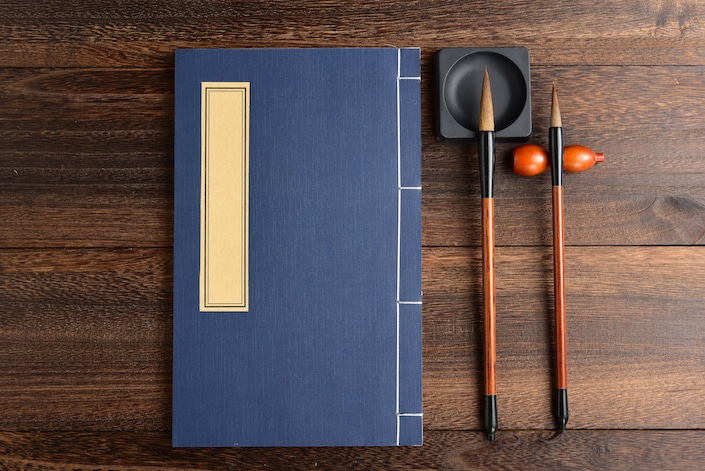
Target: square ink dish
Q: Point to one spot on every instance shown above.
(459, 75)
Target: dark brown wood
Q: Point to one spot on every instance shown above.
(145, 451)
(631, 332)
(86, 197)
(661, 201)
(87, 338)
(144, 34)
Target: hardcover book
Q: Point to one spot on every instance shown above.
(297, 247)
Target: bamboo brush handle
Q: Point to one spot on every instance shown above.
(559, 288)
(488, 295)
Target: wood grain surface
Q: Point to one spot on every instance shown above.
(86, 214)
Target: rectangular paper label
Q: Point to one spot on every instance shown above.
(225, 116)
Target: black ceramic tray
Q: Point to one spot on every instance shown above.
(459, 74)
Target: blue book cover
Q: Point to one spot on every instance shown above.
(297, 247)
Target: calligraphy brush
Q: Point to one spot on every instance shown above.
(486, 157)
(555, 144)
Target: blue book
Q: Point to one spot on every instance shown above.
(297, 248)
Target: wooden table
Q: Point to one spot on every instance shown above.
(86, 180)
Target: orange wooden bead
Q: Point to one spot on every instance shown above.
(580, 158)
(530, 160)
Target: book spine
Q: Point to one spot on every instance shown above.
(409, 394)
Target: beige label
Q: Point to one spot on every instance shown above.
(225, 112)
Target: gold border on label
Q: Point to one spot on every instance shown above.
(225, 130)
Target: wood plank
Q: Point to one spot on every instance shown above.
(576, 450)
(97, 173)
(648, 191)
(129, 34)
(31, 49)
(117, 135)
(86, 215)
(85, 241)
(636, 330)
(86, 338)
(89, 100)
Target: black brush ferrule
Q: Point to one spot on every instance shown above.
(491, 421)
(555, 148)
(562, 408)
(486, 156)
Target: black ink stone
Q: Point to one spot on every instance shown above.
(459, 74)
